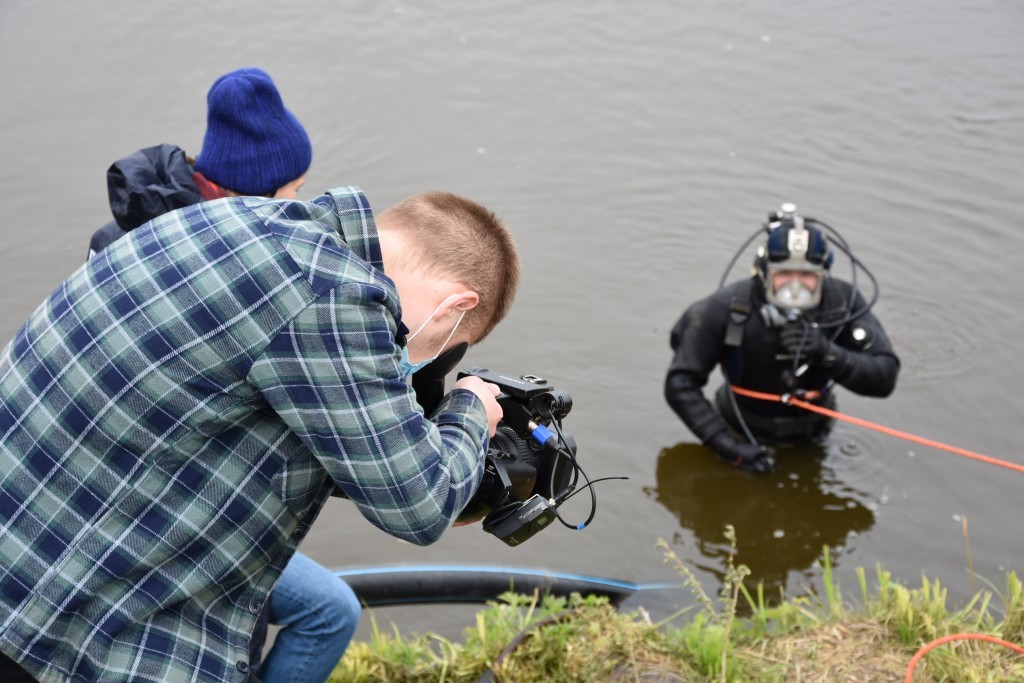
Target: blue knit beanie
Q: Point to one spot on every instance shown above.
(253, 145)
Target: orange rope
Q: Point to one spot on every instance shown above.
(956, 636)
(790, 400)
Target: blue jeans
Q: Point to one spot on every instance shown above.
(319, 613)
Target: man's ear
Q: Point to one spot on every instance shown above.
(459, 303)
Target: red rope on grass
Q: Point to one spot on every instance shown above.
(791, 400)
(956, 636)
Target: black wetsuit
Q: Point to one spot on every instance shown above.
(761, 362)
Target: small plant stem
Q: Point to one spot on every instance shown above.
(970, 558)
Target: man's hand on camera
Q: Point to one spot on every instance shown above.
(469, 520)
(486, 391)
(746, 456)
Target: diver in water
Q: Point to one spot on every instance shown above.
(791, 328)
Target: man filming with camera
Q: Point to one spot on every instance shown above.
(793, 329)
(174, 416)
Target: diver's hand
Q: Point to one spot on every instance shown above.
(804, 340)
(810, 344)
(746, 456)
(486, 391)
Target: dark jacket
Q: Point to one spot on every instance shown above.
(762, 363)
(142, 186)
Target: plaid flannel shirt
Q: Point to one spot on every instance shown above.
(174, 416)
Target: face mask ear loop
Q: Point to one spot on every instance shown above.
(430, 317)
(419, 329)
(450, 335)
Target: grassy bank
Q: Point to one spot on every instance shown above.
(871, 637)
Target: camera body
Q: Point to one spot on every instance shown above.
(527, 468)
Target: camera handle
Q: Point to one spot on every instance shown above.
(428, 382)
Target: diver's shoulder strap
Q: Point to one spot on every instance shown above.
(739, 313)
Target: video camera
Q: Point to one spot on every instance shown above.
(529, 470)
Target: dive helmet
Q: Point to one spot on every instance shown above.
(793, 245)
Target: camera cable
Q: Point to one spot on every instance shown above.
(562, 449)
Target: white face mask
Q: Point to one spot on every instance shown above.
(793, 294)
(408, 368)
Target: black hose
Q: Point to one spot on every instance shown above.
(414, 585)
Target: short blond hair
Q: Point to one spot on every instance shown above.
(460, 240)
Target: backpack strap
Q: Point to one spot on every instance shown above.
(739, 313)
(732, 359)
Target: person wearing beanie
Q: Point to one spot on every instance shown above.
(253, 146)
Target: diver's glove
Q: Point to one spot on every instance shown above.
(746, 456)
(810, 344)
(806, 341)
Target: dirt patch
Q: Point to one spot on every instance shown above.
(836, 653)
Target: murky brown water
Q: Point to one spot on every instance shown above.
(632, 147)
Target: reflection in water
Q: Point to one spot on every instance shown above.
(782, 520)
